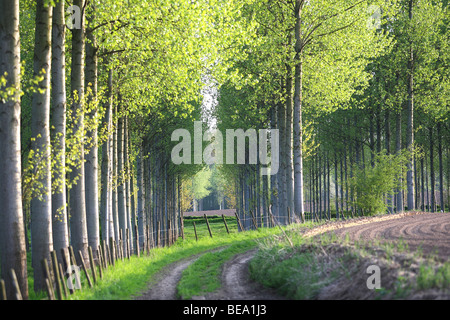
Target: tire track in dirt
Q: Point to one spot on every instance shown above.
(164, 286)
(428, 231)
(236, 282)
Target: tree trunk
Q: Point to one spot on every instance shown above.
(388, 152)
(121, 193)
(59, 198)
(114, 155)
(289, 142)
(282, 170)
(398, 148)
(106, 173)
(128, 183)
(441, 169)
(432, 178)
(422, 183)
(273, 178)
(410, 123)
(78, 223)
(41, 206)
(336, 189)
(297, 126)
(141, 199)
(12, 237)
(91, 164)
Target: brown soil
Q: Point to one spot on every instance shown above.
(236, 283)
(428, 231)
(164, 286)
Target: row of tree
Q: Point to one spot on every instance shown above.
(341, 82)
(89, 95)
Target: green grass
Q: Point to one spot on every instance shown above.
(209, 266)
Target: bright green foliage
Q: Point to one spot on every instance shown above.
(370, 184)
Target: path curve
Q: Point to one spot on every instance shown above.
(164, 286)
(236, 282)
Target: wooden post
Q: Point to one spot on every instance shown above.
(67, 264)
(92, 262)
(51, 295)
(63, 279)
(225, 222)
(289, 215)
(138, 250)
(147, 240)
(238, 220)
(195, 231)
(159, 233)
(127, 231)
(84, 268)
(2, 290)
(18, 295)
(169, 234)
(72, 256)
(65, 255)
(121, 250)
(57, 276)
(104, 253)
(100, 262)
(207, 223)
(48, 281)
(112, 254)
(254, 220)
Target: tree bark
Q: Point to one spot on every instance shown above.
(58, 121)
(289, 141)
(297, 126)
(79, 236)
(121, 194)
(398, 148)
(141, 199)
(441, 169)
(282, 170)
(410, 122)
(91, 164)
(41, 206)
(12, 236)
(106, 173)
(432, 177)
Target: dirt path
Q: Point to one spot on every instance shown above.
(429, 231)
(164, 286)
(236, 283)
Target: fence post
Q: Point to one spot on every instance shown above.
(195, 231)
(238, 220)
(15, 284)
(48, 281)
(100, 262)
(57, 276)
(51, 295)
(84, 268)
(2, 290)
(92, 262)
(254, 220)
(61, 271)
(138, 249)
(127, 231)
(207, 223)
(225, 222)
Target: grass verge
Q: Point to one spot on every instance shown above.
(325, 267)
